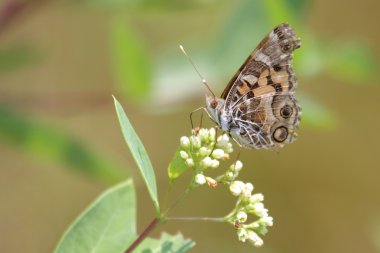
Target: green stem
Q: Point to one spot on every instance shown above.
(216, 219)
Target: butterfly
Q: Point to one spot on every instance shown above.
(258, 108)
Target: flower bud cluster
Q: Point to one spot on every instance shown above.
(249, 204)
(203, 151)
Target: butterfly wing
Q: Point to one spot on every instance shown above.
(260, 95)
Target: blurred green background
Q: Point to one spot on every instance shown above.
(60, 142)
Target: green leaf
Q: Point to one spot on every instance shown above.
(166, 244)
(108, 225)
(130, 62)
(139, 153)
(315, 115)
(177, 166)
(49, 143)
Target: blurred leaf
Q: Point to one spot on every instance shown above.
(177, 166)
(352, 62)
(130, 62)
(48, 143)
(166, 244)
(315, 115)
(139, 153)
(16, 57)
(108, 225)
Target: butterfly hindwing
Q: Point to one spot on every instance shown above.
(262, 87)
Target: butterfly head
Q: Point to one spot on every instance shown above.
(214, 107)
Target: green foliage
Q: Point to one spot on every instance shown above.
(177, 166)
(46, 142)
(130, 62)
(166, 244)
(108, 225)
(139, 153)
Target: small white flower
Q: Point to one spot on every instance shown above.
(196, 141)
(242, 217)
(237, 166)
(255, 239)
(229, 148)
(203, 151)
(236, 187)
(258, 197)
(183, 155)
(189, 162)
(206, 162)
(203, 133)
(214, 164)
(223, 140)
(211, 182)
(200, 179)
(185, 142)
(218, 153)
(259, 209)
(242, 234)
(266, 221)
(249, 187)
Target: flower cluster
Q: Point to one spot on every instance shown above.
(249, 204)
(204, 150)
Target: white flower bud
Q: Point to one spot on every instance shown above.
(249, 187)
(229, 148)
(259, 209)
(206, 162)
(200, 179)
(218, 153)
(211, 182)
(185, 142)
(196, 141)
(242, 217)
(255, 239)
(237, 166)
(203, 151)
(242, 234)
(203, 133)
(183, 155)
(214, 164)
(189, 162)
(258, 197)
(236, 187)
(266, 221)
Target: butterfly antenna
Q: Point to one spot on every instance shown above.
(196, 69)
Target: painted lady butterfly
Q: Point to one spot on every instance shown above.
(257, 108)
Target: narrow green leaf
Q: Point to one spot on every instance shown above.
(315, 115)
(166, 244)
(130, 62)
(177, 166)
(108, 225)
(51, 144)
(138, 152)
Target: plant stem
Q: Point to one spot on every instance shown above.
(222, 219)
(143, 235)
